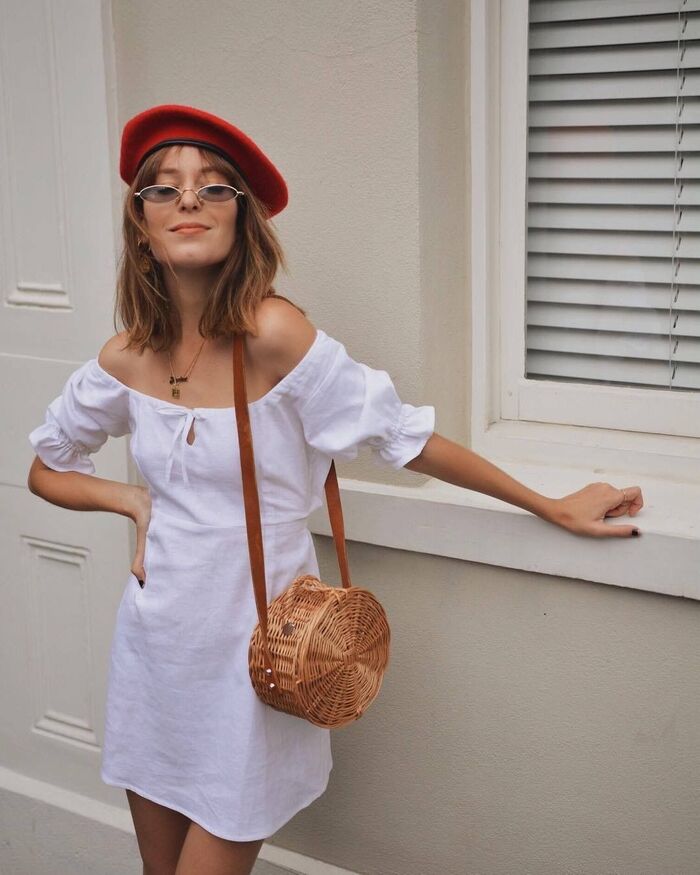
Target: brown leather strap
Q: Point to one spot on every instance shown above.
(252, 504)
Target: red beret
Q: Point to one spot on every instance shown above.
(168, 124)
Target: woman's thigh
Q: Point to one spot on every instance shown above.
(160, 833)
(207, 854)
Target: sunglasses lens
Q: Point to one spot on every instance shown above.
(159, 194)
(216, 193)
(162, 194)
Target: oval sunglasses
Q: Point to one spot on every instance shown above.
(163, 194)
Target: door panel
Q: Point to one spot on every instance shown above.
(63, 571)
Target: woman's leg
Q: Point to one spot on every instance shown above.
(207, 854)
(160, 833)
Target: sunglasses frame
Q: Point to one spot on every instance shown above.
(180, 192)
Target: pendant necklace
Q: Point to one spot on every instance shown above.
(175, 381)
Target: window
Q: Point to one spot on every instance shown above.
(613, 293)
(585, 232)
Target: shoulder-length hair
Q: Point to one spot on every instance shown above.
(142, 302)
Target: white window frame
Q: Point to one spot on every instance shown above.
(542, 421)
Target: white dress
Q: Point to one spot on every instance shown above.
(183, 725)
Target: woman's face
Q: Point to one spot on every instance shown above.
(185, 168)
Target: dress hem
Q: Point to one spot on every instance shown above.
(114, 782)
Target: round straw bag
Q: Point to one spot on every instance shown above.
(318, 651)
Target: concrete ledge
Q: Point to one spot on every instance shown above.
(446, 520)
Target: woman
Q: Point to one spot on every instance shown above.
(209, 770)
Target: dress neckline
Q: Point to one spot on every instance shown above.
(280, 386)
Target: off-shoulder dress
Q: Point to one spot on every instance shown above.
(183, 725)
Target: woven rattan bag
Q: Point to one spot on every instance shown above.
(318, 651)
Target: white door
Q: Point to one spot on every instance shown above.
(63, 571)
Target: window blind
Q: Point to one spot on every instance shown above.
(613, 192)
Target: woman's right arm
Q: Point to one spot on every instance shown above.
(77, 491)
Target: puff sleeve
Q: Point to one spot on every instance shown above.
(92, 406)
(344, 404)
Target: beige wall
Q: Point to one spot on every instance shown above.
(527, 725)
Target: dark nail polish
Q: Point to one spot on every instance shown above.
(635, 531)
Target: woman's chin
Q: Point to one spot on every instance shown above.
(194, 262)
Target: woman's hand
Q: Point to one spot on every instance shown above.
(583, 512)
(140, 513)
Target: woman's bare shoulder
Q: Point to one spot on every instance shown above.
(284, 335)
(116, 358)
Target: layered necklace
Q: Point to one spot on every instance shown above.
(175, 381)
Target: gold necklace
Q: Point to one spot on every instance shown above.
(174, 381)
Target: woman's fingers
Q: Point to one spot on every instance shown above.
(630, 501)
(137, 565)
(634, 499)
(615, 531)
(142, 522)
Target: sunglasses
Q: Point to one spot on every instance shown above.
(164, 194)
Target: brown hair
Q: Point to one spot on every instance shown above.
(142, 301)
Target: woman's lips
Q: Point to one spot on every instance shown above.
(190, 230)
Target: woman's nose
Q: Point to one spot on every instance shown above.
(189, 197)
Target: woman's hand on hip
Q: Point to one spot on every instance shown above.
(140, 513)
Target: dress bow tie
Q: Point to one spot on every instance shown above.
(187, 417)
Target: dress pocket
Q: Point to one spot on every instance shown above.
(133, 585)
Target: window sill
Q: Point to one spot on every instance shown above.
(446, 520)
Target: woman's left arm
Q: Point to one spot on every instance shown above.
(581, 512)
